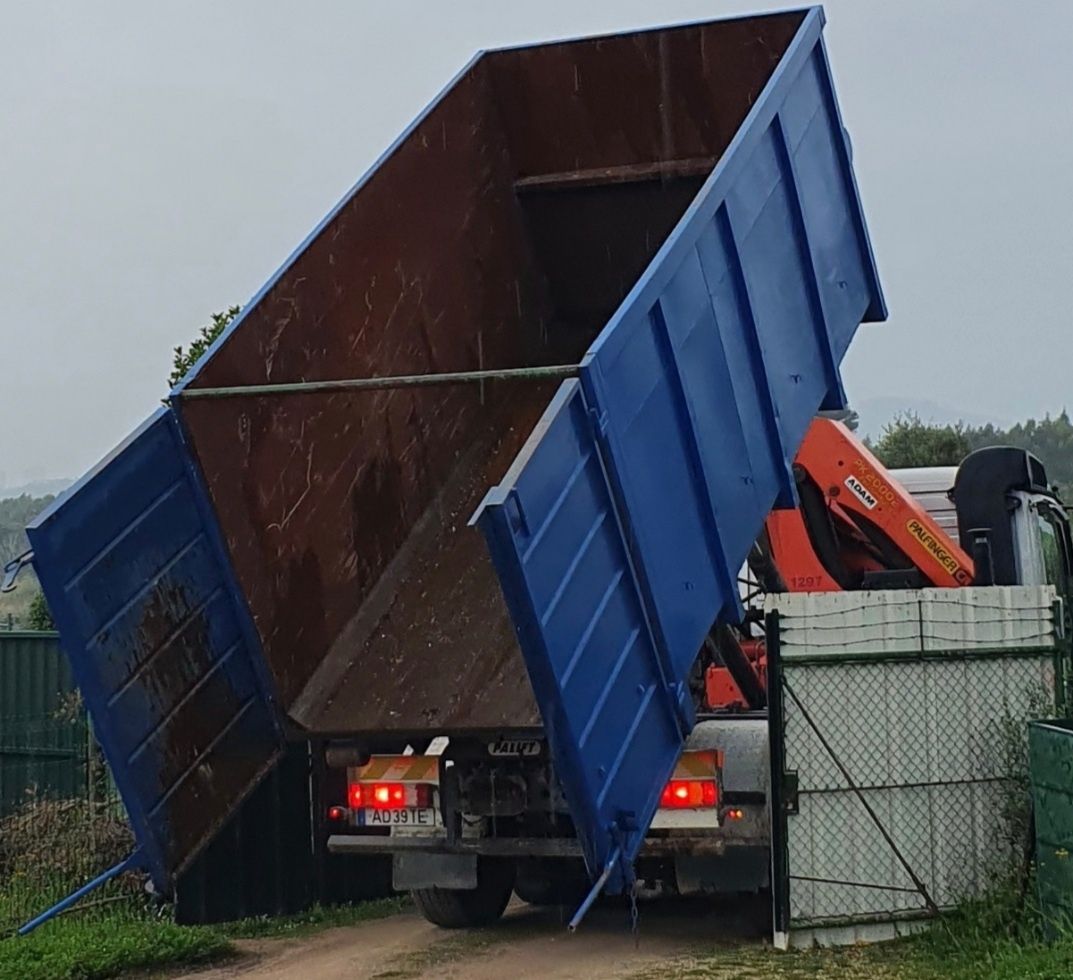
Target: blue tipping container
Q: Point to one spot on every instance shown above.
(678, 207)
(619, 531)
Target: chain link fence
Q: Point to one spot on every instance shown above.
(49, 847)
(905, 782)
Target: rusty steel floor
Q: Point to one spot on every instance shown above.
(433, 648)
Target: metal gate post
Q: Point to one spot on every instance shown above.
(780, 871)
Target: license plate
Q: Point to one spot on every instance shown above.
(410, 816)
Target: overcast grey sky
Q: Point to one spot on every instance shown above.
(158, 161)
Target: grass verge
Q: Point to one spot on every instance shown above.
(317, 918)
(108, 947)
(996, 938)
(113, 945)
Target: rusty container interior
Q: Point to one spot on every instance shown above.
(502, 230)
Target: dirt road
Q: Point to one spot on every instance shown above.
(529, 943)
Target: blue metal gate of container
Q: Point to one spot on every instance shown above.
(157, 637)
(619, 531)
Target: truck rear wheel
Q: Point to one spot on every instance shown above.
(469, 908)
(551, 882)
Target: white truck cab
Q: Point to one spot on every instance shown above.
(1000, 495)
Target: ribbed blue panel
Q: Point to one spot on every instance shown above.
(557, 545)
(149, 618)
(657, 475)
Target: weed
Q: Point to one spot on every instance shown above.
(317, 918)
(32, 838)
(49, 847)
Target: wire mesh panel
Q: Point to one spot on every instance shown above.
(62, 825)
(904, 771)
(49, 847)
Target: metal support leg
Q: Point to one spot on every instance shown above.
(594, 892)
(64, 904)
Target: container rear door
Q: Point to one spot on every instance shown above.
(612, 719)
(138, 584)
(694, 400)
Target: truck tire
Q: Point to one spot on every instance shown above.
(550, 883)
(466, 908)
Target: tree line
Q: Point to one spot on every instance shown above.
(908, 441)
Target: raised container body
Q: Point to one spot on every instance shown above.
(675, 210)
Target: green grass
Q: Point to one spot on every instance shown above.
(880, 962)
(70, 948)
(993, 939)
(317, 918)
(94, 950)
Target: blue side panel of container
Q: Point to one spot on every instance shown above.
(558, 547)
(692, 405)
(159, 643)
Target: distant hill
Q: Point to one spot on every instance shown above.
(36, 488)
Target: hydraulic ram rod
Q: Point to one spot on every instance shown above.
(378, 384)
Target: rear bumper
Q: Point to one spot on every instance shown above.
(567, 847)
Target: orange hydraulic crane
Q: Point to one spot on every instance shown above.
(855, 528)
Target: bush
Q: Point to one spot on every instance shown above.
(48, 848)
(63, 838)
(184, 359)
(40, 616)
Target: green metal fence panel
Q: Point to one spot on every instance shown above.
(1050, 765)
(42, 727)
(61, 822)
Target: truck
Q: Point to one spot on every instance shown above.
(462, 495)
(993, 520)
(857, 528)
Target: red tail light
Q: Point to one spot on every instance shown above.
(689, 794)
(389, 796)
(336, 813)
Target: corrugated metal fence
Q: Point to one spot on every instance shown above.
(61, 821)
(43, 737)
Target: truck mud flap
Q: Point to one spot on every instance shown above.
(159, 645)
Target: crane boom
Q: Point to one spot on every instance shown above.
(856, 526)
